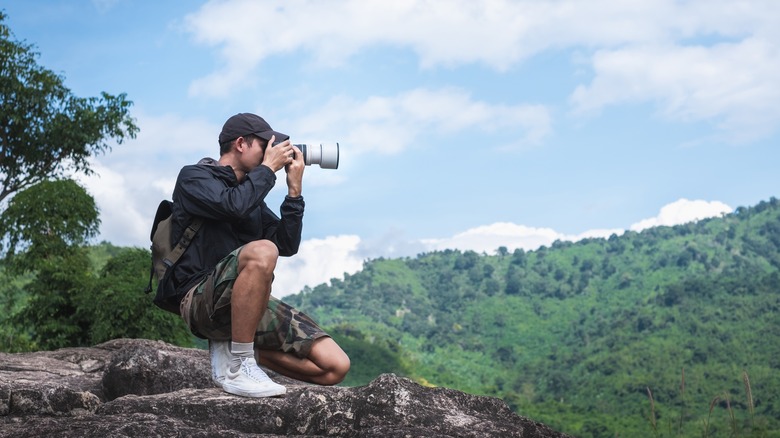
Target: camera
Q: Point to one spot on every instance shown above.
(326, 155)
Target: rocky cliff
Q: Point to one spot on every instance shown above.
(141, 388)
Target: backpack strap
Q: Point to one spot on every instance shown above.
(184, 242)
(148, 287)
(177, 251)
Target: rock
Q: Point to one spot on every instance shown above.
(142, 388)
(155, 368)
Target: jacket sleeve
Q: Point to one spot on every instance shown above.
(201, 194)
(285, 232)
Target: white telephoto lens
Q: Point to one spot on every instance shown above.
(326, 155)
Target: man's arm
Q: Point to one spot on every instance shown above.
(286, 232)
(202, 194)
(294, 172)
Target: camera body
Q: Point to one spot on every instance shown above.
(324, 154)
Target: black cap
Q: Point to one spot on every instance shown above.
(246, 123)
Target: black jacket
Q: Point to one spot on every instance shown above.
(234, 214)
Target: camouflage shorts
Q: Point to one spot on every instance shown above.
(206, 309)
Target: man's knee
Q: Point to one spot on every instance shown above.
(332, 359)
(259, 254)
(339, 369)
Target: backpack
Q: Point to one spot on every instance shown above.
(164, 253)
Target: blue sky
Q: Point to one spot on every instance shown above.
(462, 124)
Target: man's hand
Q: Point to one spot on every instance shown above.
(294, 171)
(277, 156)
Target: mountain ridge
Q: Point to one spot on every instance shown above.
(577, 333)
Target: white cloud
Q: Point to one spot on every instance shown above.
(734, 84)
(121, 222)
(147, 166)
(128, 185)
(439, 32)
(167, 138)
(387, 125)
(713, 61)
(683, 211)
(488, 238)
(320, 260)
(498, 33)
(317, 261)
(130, 181)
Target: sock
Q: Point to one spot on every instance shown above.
(240, 350)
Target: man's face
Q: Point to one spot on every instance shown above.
(253, 153)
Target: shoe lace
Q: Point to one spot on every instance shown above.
(253, 370)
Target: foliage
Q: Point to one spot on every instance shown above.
(48, 221)
(116, 307)
(50, 316)
(13, 298)
(65, 304)
(368, 356)
(46, 131)
(46, 218)
(574, 334)
(101, 253)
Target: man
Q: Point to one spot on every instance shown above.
(222, 282)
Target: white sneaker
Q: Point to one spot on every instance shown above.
(251, 381)
(219, 351)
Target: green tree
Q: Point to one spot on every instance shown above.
(46, 226)
(43, 220)
(51, 316)
(575, 334)
(67, 305)
(46, 131)
(12, 299)
(116, 308)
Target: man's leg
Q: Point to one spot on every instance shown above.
(326, 364)
(252, 288)
(248, 302)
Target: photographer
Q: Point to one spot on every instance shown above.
(223, 280)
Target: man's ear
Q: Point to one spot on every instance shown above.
(241, 144)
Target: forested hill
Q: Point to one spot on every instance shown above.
(575, 334)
